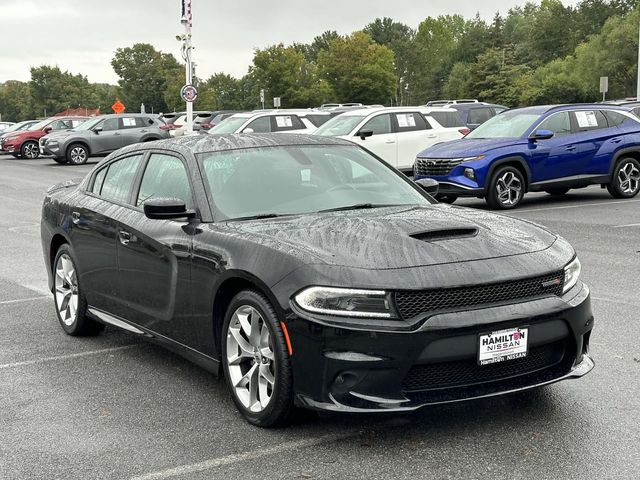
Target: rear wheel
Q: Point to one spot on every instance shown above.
(71, 306)
(77, 154)
(506, 188)
(256, 361)
(625, 182)
(30, 150)
(557, 191)
(446, 198)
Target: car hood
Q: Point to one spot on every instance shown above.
(396, 237)
(26, 134)
(467, 147)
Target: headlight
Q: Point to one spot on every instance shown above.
(571, 274)
(471, 159)
(345, 302)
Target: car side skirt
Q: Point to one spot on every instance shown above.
(206, 362)
(575, 181)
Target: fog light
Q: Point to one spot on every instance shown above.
(470, 173)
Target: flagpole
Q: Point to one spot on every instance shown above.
(186, 20)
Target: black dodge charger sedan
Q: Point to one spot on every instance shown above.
(311, 274)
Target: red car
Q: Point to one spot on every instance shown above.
(24, 143)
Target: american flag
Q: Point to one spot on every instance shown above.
(186, 12)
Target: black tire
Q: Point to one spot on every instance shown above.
(446, 198)
(30, 150)
(60, 159)
(500, 194)
(625, 182)
(77, 324)
(557, 191)
(279, 407)
(77, 154)
(15, 155)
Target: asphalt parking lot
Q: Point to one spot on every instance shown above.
(112, 407)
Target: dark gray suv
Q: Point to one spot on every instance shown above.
(100, 136)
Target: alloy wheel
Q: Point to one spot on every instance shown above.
(66, 290)
(78, 155)
(30, 150)
(628, 178)
(509, 189)
(250, 358)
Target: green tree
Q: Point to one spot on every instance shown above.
(358, 69)
(144, 76)
(16, 103)
(54, 90)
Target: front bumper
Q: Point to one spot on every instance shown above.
(342, 369)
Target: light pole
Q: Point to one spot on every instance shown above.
(186, 20)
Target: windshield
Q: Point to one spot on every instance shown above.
(89, 124)
(40, 125)
(340, 125)
(291, 180)
(506, 125)
(16, 127)
(230, 125)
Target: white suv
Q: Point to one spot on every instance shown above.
(266, 121)
(396, 134)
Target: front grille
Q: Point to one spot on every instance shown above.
(411, 303)
(435, 167)
(468, 372)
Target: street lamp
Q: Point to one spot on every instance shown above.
(186, 21)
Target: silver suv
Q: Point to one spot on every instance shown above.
(100, 136)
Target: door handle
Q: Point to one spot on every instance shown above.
(616, 140)
(570, 148)
(432, 136)
(144, 130)
(124, 237)
(389, 141)
(75, 217)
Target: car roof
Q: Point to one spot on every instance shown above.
(540, 109)
(232, 141)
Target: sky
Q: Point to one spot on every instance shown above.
(81, 36)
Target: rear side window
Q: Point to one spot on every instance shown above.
(379, 124)
(616, 119)
(142, 122)
(283, 123)
(165, 177)
(99, 180)
(447, 119)
(128, 122)
(119, 179)
(409, 122)
(479, 115)
(587, 120)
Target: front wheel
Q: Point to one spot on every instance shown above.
(71, 306)
(77, 154)
(506, 188)
(625, 182)
(256, 361)
(30, 150)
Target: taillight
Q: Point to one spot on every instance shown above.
(206, 126)
(464, 130)
(169, 126)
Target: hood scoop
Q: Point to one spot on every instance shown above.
(444, 234)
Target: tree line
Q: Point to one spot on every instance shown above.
(535, 54)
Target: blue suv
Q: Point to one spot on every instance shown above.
(546, 148)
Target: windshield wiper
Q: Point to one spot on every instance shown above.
(261, 216)
(357, 206)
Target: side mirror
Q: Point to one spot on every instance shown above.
(541, 135)
(364, 134)
(247, 130)
(97, 129)
(166, 209)
(429, 185)
(47, 129)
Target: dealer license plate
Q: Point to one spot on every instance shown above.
(502, 346)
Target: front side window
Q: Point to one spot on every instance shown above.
(165, 177)
(119, 179)
(299, 180)
(260, 125)
(110, 124)
(558, 123)
(379, 125)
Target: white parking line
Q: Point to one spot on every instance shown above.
(576, 206)
(628, 225)
(65, 357)
(30, 299)
(242, 457)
